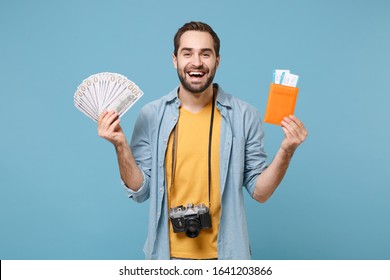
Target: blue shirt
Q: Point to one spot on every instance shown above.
(242, 159)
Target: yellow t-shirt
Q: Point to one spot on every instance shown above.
(191, 180)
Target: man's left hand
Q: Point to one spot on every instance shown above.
(295, 133)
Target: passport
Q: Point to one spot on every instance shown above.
(281, 103)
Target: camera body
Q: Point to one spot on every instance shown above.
(190, 219)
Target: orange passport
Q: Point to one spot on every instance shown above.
(281, 103)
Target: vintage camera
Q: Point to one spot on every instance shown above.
(190, 219)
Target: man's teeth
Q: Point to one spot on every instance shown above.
(197, 74)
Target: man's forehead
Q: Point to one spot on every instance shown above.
(196, 40)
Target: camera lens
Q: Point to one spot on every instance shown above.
(192, 228)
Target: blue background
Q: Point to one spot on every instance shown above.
(60, 193)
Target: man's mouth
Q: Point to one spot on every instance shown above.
(196, 74)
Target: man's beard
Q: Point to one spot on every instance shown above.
(195, 88)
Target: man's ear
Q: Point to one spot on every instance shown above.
(174, 59)
(217, 62)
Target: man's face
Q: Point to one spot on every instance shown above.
(196, 61)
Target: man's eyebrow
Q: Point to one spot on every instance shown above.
(207, 50)
(202, 50)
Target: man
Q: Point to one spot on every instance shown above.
(199, 145)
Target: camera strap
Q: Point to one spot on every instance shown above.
(174, 151)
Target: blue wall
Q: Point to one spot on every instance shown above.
(60, 193)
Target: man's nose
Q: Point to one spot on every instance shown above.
(196, 60)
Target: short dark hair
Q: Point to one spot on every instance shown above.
(196, 26)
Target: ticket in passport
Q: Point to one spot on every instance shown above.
(285, 77)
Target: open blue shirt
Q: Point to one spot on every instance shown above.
(242, 159)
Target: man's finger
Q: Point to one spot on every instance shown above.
(297, 121)
(111, 116)
(291, 127)
(102, 115)
(113, 126)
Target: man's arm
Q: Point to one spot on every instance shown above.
(109, 129)
(268, 181)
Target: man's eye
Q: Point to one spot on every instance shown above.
(186, 54)
(206, 55)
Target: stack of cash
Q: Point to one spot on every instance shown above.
(106, 91)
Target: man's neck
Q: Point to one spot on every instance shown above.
(195, 102)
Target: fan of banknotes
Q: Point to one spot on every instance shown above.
(106, 91)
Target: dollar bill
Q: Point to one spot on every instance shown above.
(106, 91)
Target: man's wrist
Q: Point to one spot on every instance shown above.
(120, 145)
(286, 153)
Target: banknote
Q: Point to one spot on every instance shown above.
(106, 91)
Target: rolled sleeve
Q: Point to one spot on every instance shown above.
(255, 155)
(141, 194)
(140, 147)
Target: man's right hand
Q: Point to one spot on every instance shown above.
(109, 128)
